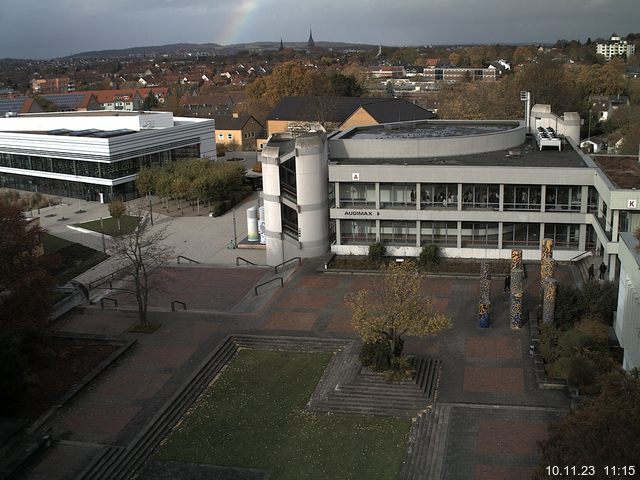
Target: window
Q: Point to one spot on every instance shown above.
(357, 232)
(434, 195)
(221, 136)
(229, 136)
(398, 232)
(521, 235)
(563, 198)
(564, 236)
(443, 234)
(361, 195)
(481, 196)
(522, 197)
(483, 235)
(397, 195)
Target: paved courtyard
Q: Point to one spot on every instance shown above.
(497, 411)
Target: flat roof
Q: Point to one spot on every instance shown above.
(623, 171)
(427, 130)
(525, 155)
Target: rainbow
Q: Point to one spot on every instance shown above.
(232, 28)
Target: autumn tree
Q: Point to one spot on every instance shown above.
(26, 299)
(287, 79)
(602, 433)
(142, 252)
(117, 209)
(25, 284)
(394, 307)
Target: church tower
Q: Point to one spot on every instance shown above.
(310, 42)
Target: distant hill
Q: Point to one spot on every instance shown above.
(212, 48)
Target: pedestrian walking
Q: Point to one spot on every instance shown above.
(507, 283)
(591, 273)
(603, 270)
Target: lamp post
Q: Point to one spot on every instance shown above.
(104, 247)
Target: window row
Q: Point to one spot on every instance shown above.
(109, 170)
(474, 196)
(445, 234)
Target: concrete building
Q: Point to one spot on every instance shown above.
(458, 74)
(95, 155)
(627, 319)
(477, 189)
(615, 47)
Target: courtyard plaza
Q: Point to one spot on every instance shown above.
(496, 412)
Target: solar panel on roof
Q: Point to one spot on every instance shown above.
(112, 133)
(84, 133)
(11, 105)
(69, 100)
(59, 131)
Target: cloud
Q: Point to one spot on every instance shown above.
(36, 28)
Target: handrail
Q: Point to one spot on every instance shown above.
(110, 276)
(244, 260)
(173, 305)
(583, 254)
(191, 260)
(114, 300)
(255, 290)
(275, 269)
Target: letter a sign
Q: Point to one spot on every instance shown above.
(355, 177)
(632, 203)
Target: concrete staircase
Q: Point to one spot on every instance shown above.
(116, 462)
(369, 393)
(427, 444)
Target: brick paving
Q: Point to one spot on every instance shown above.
(487, 377)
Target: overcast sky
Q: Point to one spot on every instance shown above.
(54, 28)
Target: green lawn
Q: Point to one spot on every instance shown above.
(254, 417)
(128, 224)
(72, 258)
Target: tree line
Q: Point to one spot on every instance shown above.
(194, 180)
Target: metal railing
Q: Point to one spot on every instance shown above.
(109, 277)
(178, 302)
(244, 260)
(255, 290)
(588, 253)
(275, 269)
(190, 260)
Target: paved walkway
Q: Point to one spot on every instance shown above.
(498, 413)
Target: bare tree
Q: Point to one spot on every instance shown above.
(142, 251)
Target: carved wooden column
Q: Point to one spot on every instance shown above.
(484, 305)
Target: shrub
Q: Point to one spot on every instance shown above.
(377, 251)
(549, 336)
(581, 372)
(399, 369)
(430, 255)
(376, 355)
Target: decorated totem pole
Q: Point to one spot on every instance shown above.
(484, 305)
(548, 285)
(517, 289)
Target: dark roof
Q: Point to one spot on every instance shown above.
(233, 123)
(397, 110)
(11, 105)
(338, 109)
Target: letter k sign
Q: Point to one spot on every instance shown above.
(632, 204)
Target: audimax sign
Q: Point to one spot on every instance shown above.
(360, 213)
